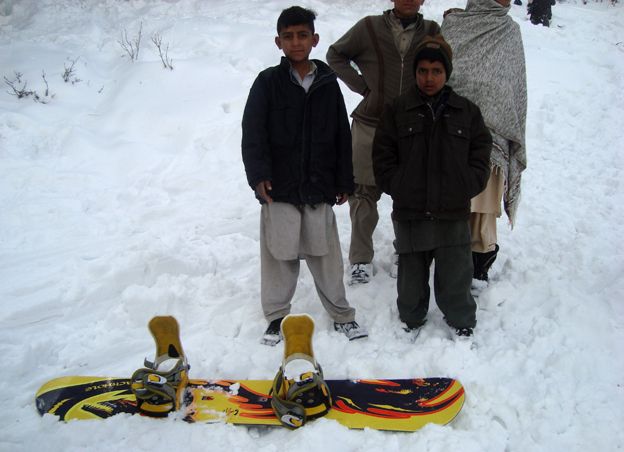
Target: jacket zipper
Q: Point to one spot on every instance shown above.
(313, 87)
(401, 79)
(303, 146)
(433, 124)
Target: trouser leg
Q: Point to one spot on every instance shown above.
(278, 281)
(452, 280)
(485, 208)
(364, 218)
(413, 287)
(483, 236)
(327, 271)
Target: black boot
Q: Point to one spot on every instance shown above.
(482, 263)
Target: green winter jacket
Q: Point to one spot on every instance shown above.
(432, 163)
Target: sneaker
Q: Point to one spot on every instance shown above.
(360, 273)
(351, 329)
(394, 266)
(412, 332)
(273, 334)
(464, 332)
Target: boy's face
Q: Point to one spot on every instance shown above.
(430, 76)
(407, 8)
(296, 42)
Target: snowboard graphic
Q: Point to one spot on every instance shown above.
(401, 405)
(162, 387)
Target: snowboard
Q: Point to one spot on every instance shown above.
(382, 404)
(399, 405)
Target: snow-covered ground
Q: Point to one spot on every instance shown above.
(124, 197)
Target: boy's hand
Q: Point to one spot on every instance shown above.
(341, 198)
(263, 188)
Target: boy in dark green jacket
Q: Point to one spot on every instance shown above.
(431, 154)
(296, 149)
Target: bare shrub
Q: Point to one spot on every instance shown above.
(19, 88)
(131, 46)
(69, 75)
(164, 55)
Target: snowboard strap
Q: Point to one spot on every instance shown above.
(294, 402)
(159, 392)
(159, 386)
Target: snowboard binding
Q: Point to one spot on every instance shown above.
(159, 386)
(303, 396)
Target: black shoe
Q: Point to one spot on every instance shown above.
(464, 332)
(412, 332)
(482, 263)
(410, 327)
(273, 334)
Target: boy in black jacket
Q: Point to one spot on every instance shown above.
(432, 154)
(297, 153)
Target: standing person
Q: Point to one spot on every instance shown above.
(296, 150)
(490, 71)
(540, 11)
(432, 154)
(383, 48)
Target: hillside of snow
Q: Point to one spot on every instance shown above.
(123, 196)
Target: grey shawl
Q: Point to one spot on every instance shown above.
(489, 69)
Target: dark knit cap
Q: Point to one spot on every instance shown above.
(435, 48)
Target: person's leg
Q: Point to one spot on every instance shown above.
(413, 287)
(483, 243)
(486, 208)
(483, 235)
(364, 218)
(452, 280)
(327, 271)
(278, 281)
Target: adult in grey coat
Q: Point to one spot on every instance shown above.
(490, 70)
(383, 48)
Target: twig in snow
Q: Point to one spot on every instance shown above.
(18, 87)
(164, 57)
(70, 73)
(131, 47)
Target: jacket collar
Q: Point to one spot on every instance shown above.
(323, 72)
(392, 18)
(321, 67)
(415, 99)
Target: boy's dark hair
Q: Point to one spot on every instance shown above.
(295, 15)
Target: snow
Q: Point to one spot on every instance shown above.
(124, 197)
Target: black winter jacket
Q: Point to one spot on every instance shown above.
(299, 141)
(432, 163)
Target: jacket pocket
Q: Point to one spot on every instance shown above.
(459, 132)
(405, 130)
